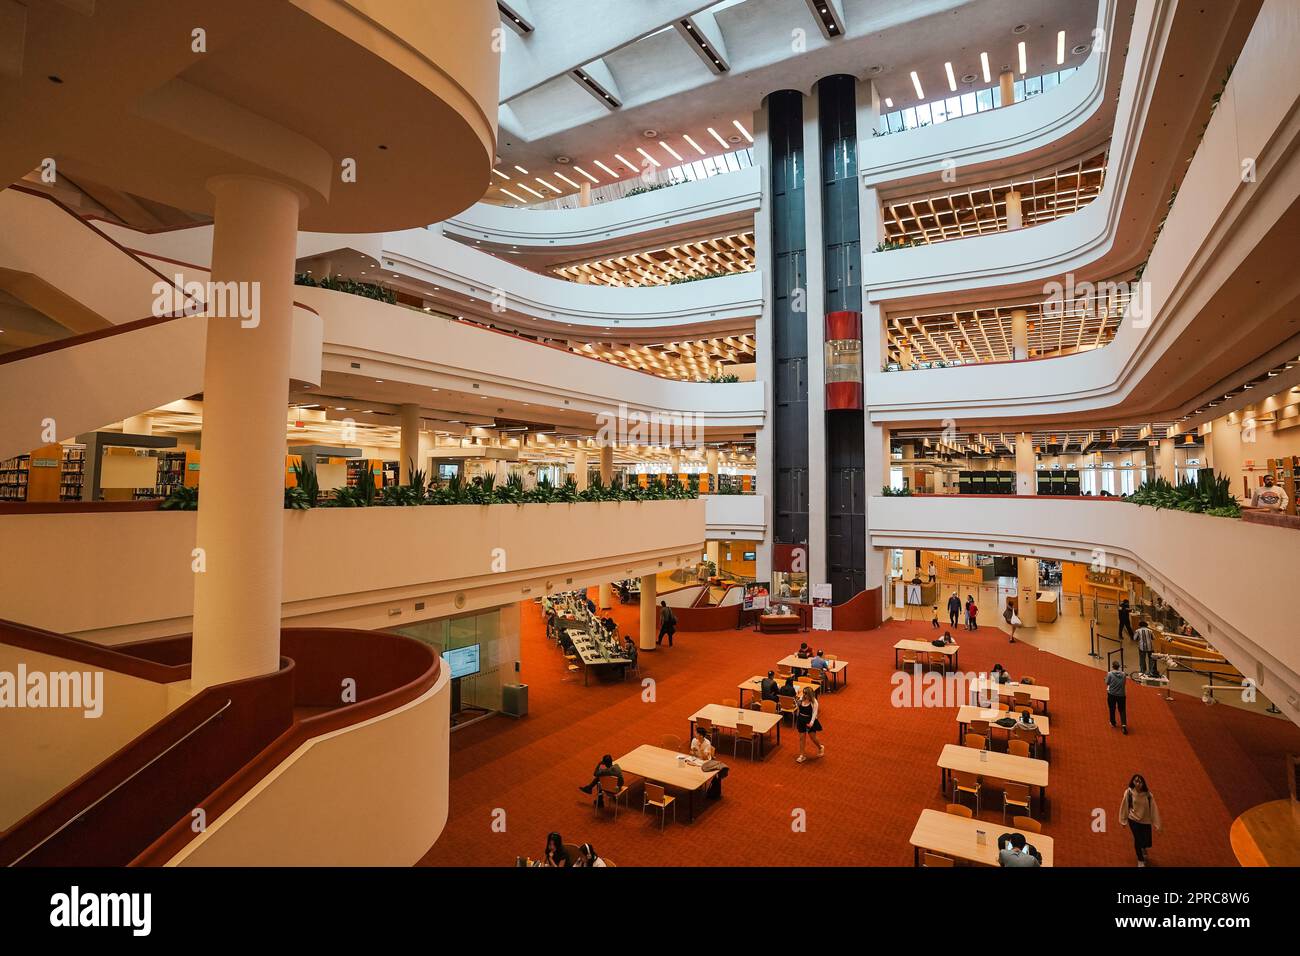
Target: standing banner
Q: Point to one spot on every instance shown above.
(756, 596)
(821, 614)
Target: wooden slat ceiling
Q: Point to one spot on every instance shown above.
(686, 361)
(979, 209)
(984, 334)
(1068, 441)
(731, 253)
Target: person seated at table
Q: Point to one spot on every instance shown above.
(701, 746)
(606, 768)
(947, 638)
(788, 689)
(629, 649)
(556, 854)
(1014, 850)
(999, 675)
(770, 689)
(819, 662)
(587, 856)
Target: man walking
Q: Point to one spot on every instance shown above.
(954, 609)
(667, 624)
(1125, 622)
(1115, 699)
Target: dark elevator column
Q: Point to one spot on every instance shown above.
(846, 529)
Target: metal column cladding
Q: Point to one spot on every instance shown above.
(789, 320)
(846, 518)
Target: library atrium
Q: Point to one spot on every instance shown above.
(441, 433)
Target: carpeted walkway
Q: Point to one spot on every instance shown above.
(1204, 764)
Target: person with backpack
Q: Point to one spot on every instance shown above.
(667, 624)
(1012, 618)
(1138, 812)
(1115, 696)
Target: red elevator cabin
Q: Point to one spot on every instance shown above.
(843, 360)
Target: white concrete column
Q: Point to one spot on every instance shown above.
(410, 443)
(1019, 334)
(1014, 219)
(1027, 572)
(1007, 86)
(580, 468)
(675, 460)
(1026, 472)
(649, 601)
(603, 599)
(711, 459)
(240, 526)
(607, 464)
(1165, 461)
(584, 194)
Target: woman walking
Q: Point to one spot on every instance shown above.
(1138, 812)
(806, 721)
(1012, 618)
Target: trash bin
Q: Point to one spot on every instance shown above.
(514, 700)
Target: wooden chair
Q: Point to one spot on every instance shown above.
(610, 789)
(744, 735)
(1017, 748)
(938, 658)
(976, 742)
(768, 706)
(979, 727)
(959, 810)
(788, 708)
(703, 723)
(1027, 737)
(1028, 824)
(936, 860)
(671, 742)
(783, 671)
(1022, 699)
(1015, 795)
(655, 797)
(732, 703)
(910, 661)
(965, 782)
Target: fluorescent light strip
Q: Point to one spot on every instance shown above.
(984, 65)
(743, 132)
(622, 159)
(560, 175)
(530, 189)
(547, 185)
(522, 170)
(952, 80)
(722, 142)
(1020, 49)
(694, 144)
(579, 169)
(502, 175)
(671, 152)
(514, 197)
(607, 169)
(889, 103)
(649, 158)
(916, 85)
(1060, 47)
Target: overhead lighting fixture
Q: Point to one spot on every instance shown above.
(547, 185)
(916, 85)
(530, 189)
(952, 80)
(607, 169)
(1020, 50)
(579, 169)
(743, 132)
(671, 152)
(889, 103)
(625, 161)
(694, 144)
(721, 142)
(560, 175)
(522, 170)
(984, 66)
(501, 174)
(650, 159)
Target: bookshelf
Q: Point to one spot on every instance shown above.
(73, 474)
(13, 478)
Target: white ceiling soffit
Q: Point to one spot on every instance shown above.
(570, 33)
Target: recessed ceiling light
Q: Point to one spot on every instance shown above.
(514, 197)
(1079, 49)
(916, 85)
(721, 142)
(952, 80)
(1019, 28)
(579, 169)
(563, 160)
(984, 67)
(624, 161)
(671, 152)
(889, 104)
(743, 132)
(560, 175)
(1020, 51)
(501, 174)
(547, 185)
(1060, 47)
(531, 190)
(650, 159)
(969, 77)
(694, 145)
(522, 170)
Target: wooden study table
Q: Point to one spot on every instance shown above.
(1038, 693)
(954, 836)
(967, 713)
(834, 668)
(950, 651)
(660, 766)
(999, 766)
(728, 717)
(755, 686)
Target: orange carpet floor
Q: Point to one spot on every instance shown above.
(1205, 764)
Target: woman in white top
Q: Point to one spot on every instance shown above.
(700, 745)
(587, 857)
